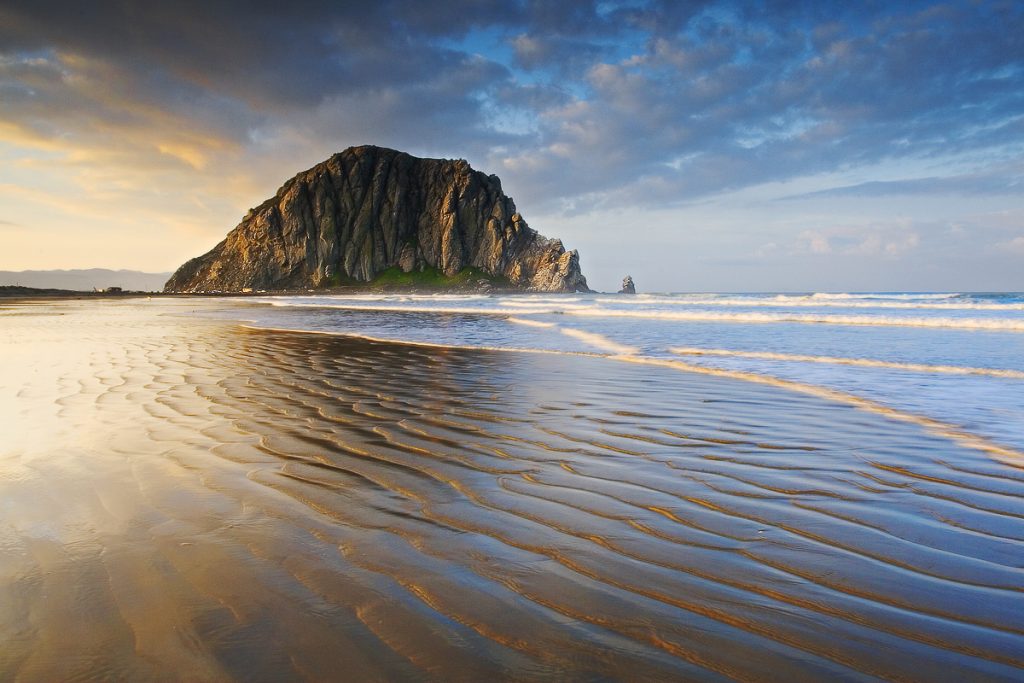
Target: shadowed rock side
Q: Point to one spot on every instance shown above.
(370, 209)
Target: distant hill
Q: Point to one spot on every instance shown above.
(85, 280)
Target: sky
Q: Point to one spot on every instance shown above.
(698, 146)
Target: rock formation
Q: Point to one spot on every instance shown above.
(368, 210)
(627, 285)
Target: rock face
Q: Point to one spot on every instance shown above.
(627, 285)
(370, 209)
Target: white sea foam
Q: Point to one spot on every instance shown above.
(530, 323)
(860, 362)
(1009, 324)
(1016, 324)
(825, 319)
(875, 295)
(599, 341)
(398, 308)
(537, 300)
(806, 302)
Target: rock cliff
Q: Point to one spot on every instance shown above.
(370, 210)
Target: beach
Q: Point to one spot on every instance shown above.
(190, 491)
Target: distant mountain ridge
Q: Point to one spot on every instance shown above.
(85, 280)
(371, 215)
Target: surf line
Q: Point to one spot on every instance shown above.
(591, 338)
(964, 438)
(975, 442)
(838, 360)
(529, 308)
(819, 303)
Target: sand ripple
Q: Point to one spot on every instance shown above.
(183, 495)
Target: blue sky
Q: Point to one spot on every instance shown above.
(694, 145)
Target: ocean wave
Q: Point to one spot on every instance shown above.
(823, 296)
(397, 308)
(859, 362)
(882, 295)
(329, 300)
(688, 316)
(530, 323)
(784, 301)
(599, 341)
(809, 318)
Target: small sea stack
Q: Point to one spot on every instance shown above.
(627, 285)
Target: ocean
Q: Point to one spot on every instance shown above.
(956, 358)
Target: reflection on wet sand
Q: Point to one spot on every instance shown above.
(187, 498)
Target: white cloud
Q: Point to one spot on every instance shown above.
(814, 242)
(901, 245)
(1016, 245)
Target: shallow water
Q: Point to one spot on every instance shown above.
(956, 358)
(183, 496)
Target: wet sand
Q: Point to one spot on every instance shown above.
(185, 498)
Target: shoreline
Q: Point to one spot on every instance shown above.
(34, 293)
(191, 494)
(967, 439)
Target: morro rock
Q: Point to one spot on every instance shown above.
(369, 213)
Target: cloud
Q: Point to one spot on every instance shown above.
(876, 244)
(727, 104)
(966, 184)
(568, 56)
(270, 55)
(643, 103)
(814, 242)
(187, 113)
(1016, 245)
(889, 241)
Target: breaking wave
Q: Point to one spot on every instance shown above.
(523, 308)
(860, 362)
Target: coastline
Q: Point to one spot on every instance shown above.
(966, 439)
(233, 502)
(10, 293)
